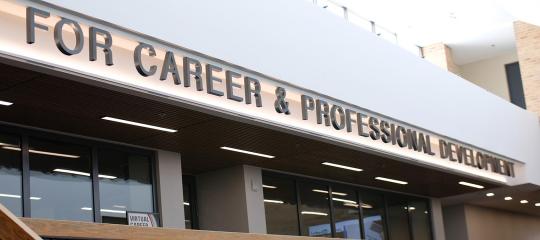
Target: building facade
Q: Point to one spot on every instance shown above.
(246, 116)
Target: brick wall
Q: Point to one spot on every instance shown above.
(441, 55)
(528, 49)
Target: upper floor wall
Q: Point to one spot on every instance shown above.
(302, 44)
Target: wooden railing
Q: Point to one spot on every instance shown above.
(13, 228)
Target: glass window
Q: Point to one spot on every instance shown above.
(398, 218)
(190, 203)
(420, 220)
(373, 215)
(125, 184)
(315, 210)
(60, 183)
(280, 205)
(346, 214)
(10, 174)
(187, 206)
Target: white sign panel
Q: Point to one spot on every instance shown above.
(141, 219)
(58, 39)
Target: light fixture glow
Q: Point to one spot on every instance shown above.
(53, 154)
(17, 196)
(537, 204)
(333, 193)
(342, 166)
(471, 185)
(139, 124)
(363, 205)
(344, 200)
(273, 201)
(104, 210)
(269, 186)
(523, 201)
(490, 194)
(82, 173)
(391, 180)
(107, 176)
(4, 103)
(186, 203)
(247, 152)
(42, 152)
(507, 198)
(314, 213)
(71, 172)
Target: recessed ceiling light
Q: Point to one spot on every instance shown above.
(471, 185)
(4, 103)
(273, 201)
(247, 152)
(523, 201)
(118, 120)
(342, 166)
(391, 180)
(507, 198)
(490, 194)
(269, 186)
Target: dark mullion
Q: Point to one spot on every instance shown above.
(332, 217)
(409, 219)
(298, 206)
(156, 197)
(361, 215)
(95, 186)
(430, 218)
(386, 229)
(25, 176)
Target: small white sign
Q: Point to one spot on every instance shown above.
(141, 219)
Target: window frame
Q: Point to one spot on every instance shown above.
(25, 134)
(358, 189)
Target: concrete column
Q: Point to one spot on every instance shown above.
(528, 50)
(171, 200)
(437, 219)
(455, 222)
(231, 200)
(441, 55)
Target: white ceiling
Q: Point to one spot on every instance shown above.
(474, 29)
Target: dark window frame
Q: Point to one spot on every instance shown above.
(193, 206)
(358, 189)
(26, 133)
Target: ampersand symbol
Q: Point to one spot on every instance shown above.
(280, 104)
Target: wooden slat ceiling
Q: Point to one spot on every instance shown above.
(60, 104)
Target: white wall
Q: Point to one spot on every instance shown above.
(490, 73)
(170, 189)
(310, 47)
(231, 200)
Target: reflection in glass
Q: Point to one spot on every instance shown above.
(10, 174)
(60, 179)
(398, 219)
(315, 210)
(280, 205)
(373, 215)
(125, 184)
(419, 213)
(346, 213)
